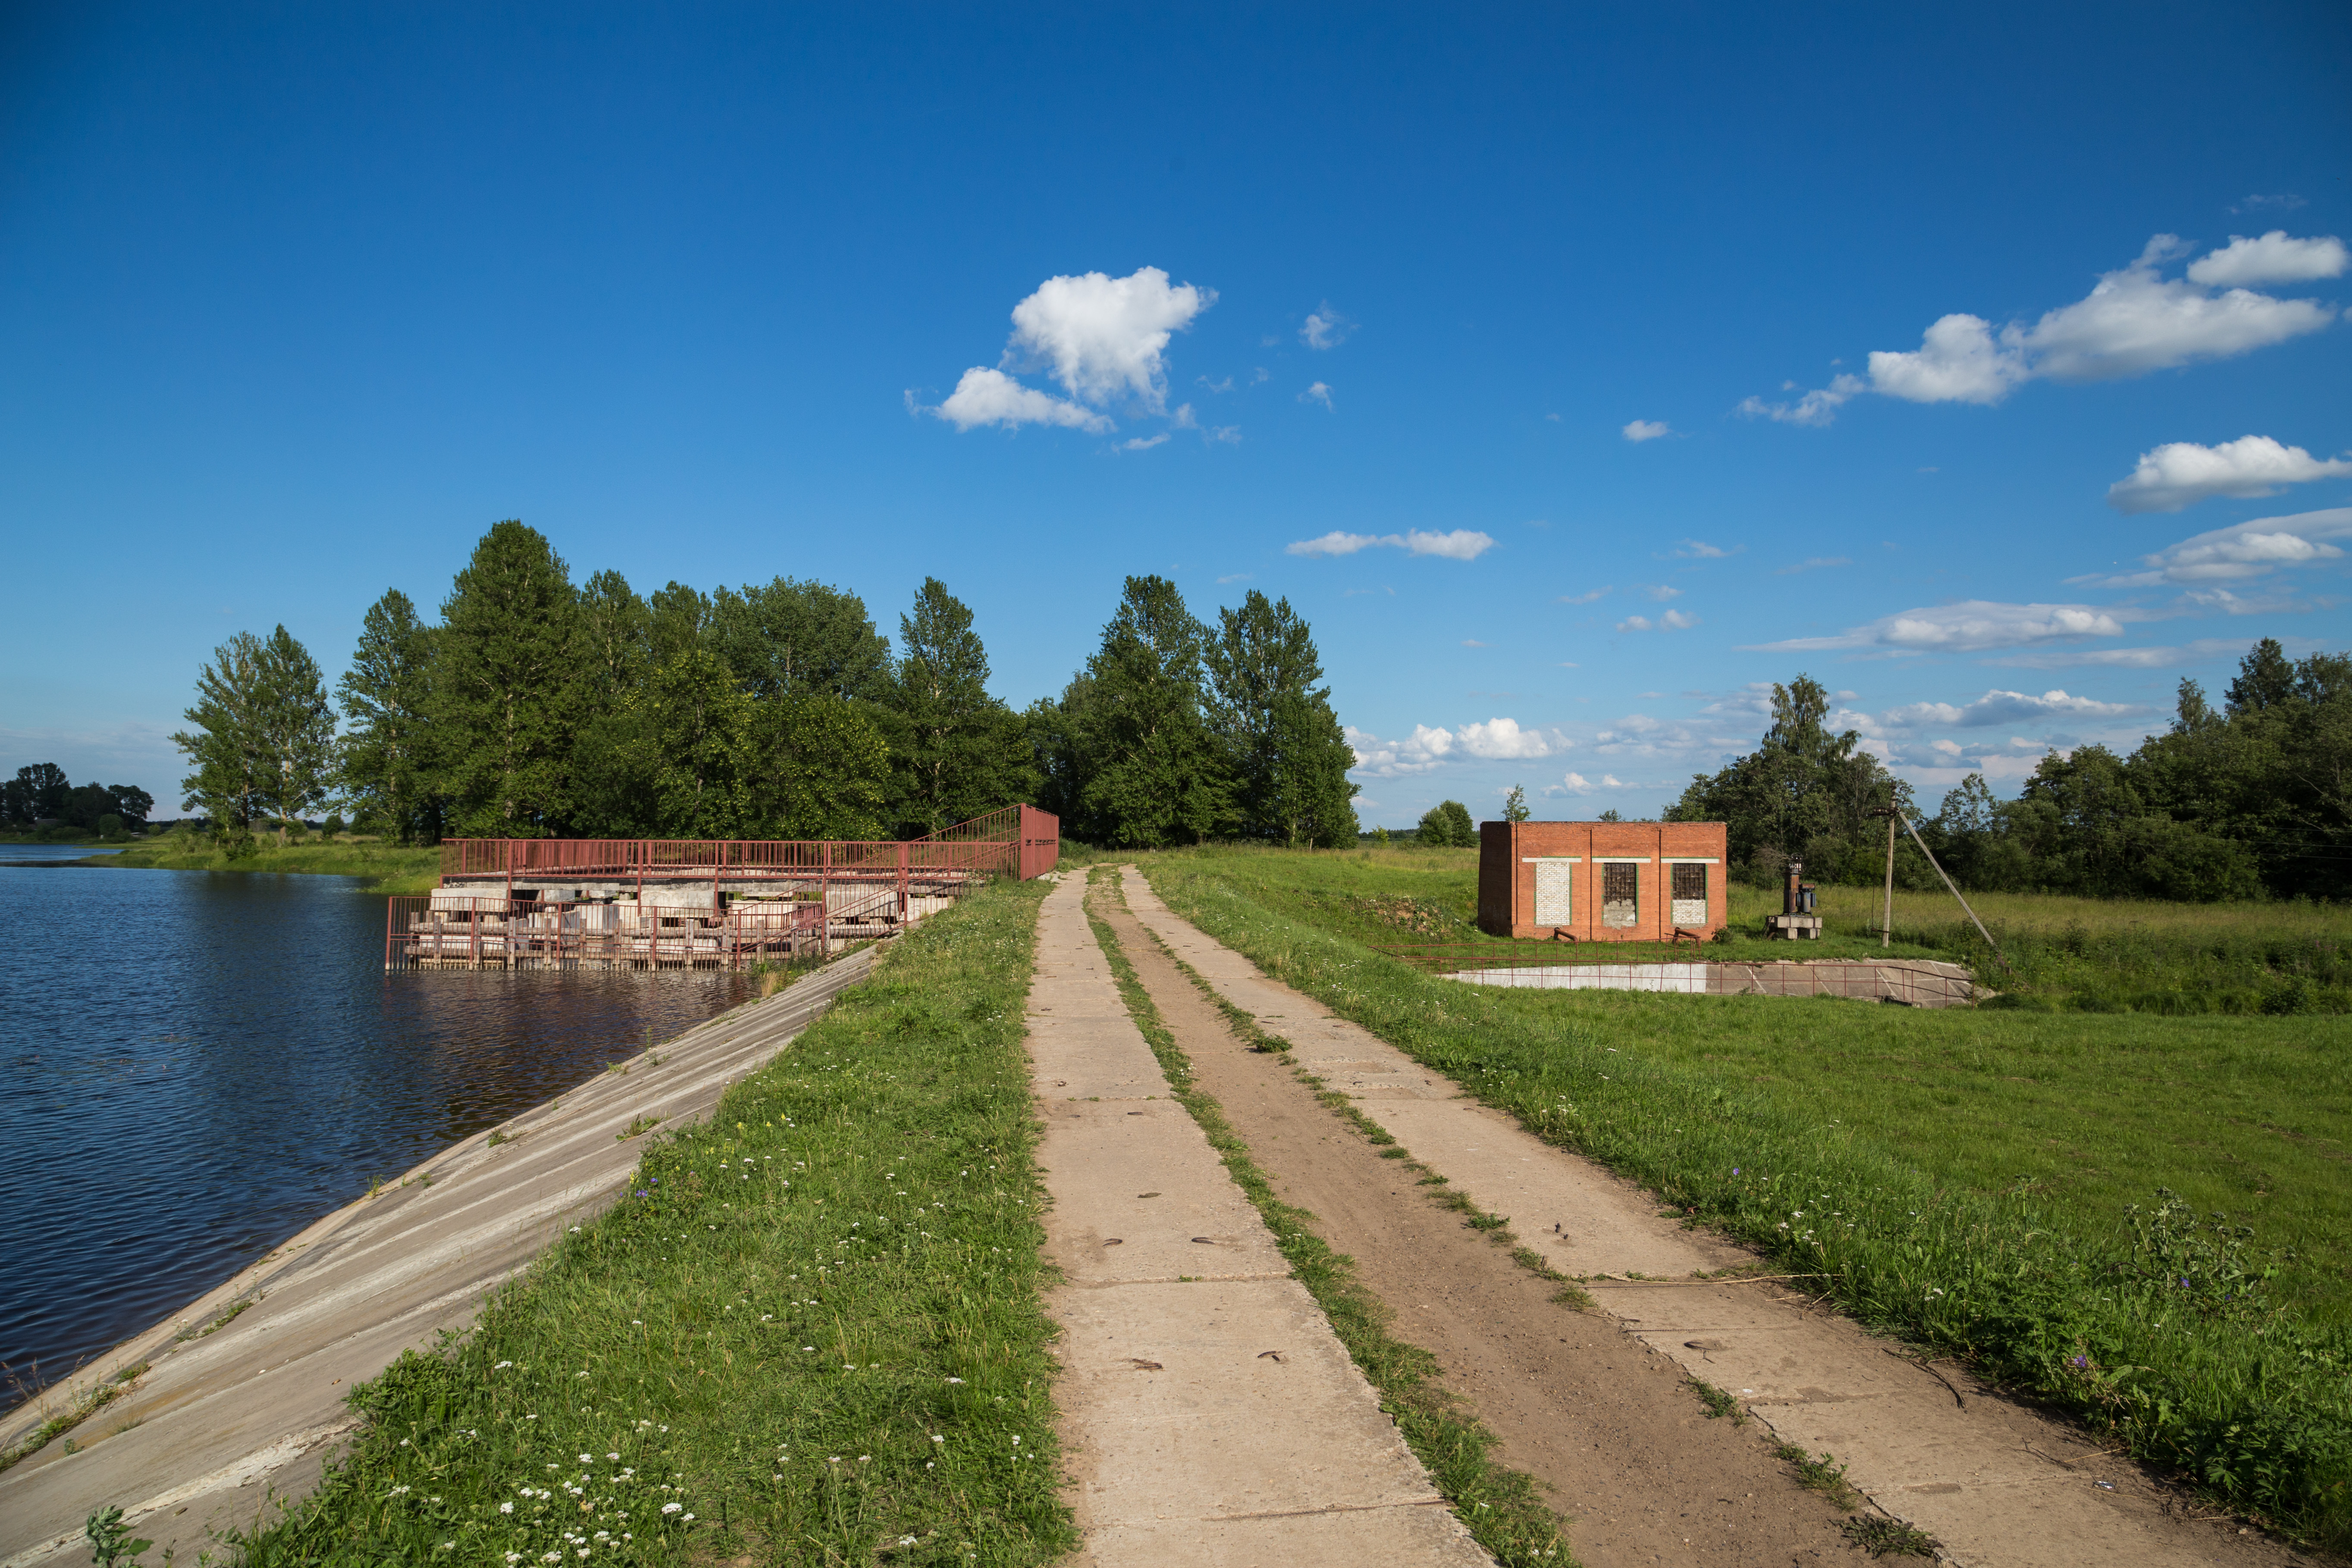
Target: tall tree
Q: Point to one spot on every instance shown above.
(959, 750)
(385, 696)
(678, 620)
(698, 726)
(789, 636)
(818, 768)
(295, 725)
(1289, 755)
(36, 792)
(1805, 793)
(1154, 772)
(616, 638)
(507, 693)
(222, 746)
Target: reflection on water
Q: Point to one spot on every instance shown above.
(196, 1064)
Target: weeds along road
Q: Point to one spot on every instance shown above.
(1604, 1405)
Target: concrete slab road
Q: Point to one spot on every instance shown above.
(1209, 1415)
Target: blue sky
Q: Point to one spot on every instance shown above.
(295, 302)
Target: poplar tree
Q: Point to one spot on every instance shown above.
(818, 768)
(223, 742)
(295, 732)
(958, 752)
(1288, 754)
(699, 727)
(384, 696)
(507, 694)
(1154, 772)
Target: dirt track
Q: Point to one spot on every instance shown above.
(1581, 1399)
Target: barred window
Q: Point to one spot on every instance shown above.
(1620, 899)
(1690, 896)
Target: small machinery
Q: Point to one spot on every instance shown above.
(1797, 921)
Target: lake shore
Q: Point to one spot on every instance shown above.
(387, 867)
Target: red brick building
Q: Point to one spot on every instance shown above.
(1601, 881)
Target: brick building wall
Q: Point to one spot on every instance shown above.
(1601, 881)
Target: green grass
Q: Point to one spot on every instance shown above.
(1501, 1507)
(1962, 1177)
(814, 1334)
(389, 868)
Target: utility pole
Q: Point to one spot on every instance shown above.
(1886, 926)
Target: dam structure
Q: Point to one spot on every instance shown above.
(698, 903)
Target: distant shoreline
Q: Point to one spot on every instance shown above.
(387, 868)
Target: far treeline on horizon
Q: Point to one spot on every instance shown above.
(536, 707)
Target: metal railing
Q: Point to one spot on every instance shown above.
(1015, 841)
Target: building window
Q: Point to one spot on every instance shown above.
(1690, 896)
(1620, 899)
(1555, 892)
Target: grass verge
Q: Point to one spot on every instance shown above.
(1867, 1145)
(389, 868)
(1501, 1507)
(812, 1333)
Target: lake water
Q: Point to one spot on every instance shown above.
(196, 1064)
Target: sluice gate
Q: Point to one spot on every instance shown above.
(639, 903)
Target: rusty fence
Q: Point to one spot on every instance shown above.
(1916, 983)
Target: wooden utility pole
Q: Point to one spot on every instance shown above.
(1886, 927)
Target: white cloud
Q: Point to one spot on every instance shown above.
(1224, 385)
(1818, 406)
(2182, 473)
(1661, 592)
(1699, 549)
(2005, 708)
(2123, 658)
(1459, 544)
(1142, 443)
(1815, 564)
(2272, 258)
(1672, 621)
(1585, 598)
(2133, 321)
(1576, 783)
(2244, 550)
(1646, 429)
(1318, 392)
(1970, 626)
(1502, 740)
(2285, 202)
(1102, 337)
(1230, 434)
(1324, 328)
(987, 396)
(1419, 753)
(1474, 642)
(1236, 577)
(1956, 362)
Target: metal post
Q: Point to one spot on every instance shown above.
(825, 904)
(902, 884)
(1886, 933)
(1930, 854)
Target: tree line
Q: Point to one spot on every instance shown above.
(42, 795)
(536, 707)
(2250, 799)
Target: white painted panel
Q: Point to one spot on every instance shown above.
(1554, 886)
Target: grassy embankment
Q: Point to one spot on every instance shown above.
(1963, 1178)
(389, 868)
(812, 1334)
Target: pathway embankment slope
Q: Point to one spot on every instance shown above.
(1995, 1483)
(1210, 1416)
(225, 1418)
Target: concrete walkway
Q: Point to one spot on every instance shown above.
(1995, 1484)
(224, 1420)
(1210, 1416)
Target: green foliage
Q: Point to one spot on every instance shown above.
(1447, 825)
(959, 751)
(792, 637)
(2252, 799)
(506, 687)
(109, 1538)
(1514, 804)
(1804, 794)
(222, 746)
(1144, 766)
(1289, 755)
(296, 732)
(384, 695)
(726, 1340)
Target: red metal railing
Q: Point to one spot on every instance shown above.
(449, 930)
(1017, 841)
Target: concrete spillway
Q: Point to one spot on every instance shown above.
(242, 1393)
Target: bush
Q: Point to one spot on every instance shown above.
(1447, 825)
